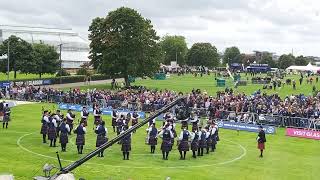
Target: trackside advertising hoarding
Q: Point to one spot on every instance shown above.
(303, 133)
(246, 127)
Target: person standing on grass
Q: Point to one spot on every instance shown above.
(184, 143)
(166, 145)
(84, 116)
(70, 118)
(126, 144)
(80, 140)
(261, 140)
(6, 116)
(114, 120)
(52, 131)
(44, 126)
(294, 84)
(194, 142)
(64, 131)
(152, 137)
(102, 133)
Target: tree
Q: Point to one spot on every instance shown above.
(203, 54)
(231, 55)
(124, 44)
(285, 61)
(45, 60)
(20, 53)
(246, 59)
(174, 47)
(301, 61)
(267, 59)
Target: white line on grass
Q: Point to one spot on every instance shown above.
(244, 153)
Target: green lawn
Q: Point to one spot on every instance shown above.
(23, 154)
(21, 76)
(187, 82)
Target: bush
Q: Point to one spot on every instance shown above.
(82, 71)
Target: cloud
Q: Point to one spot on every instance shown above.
(275, 25)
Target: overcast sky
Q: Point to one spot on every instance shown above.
(273, 25)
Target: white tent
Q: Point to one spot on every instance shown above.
(308, 67)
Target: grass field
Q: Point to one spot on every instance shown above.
(187, 82)
(23, 154)
(21, 76)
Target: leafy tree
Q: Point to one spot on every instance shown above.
(286, 60)
(246, 59)
(267, 59)
(231, 55)
(301, 61)
(203, 54)
(84, 70)
(124, 44)
(174, 47)
(45, 60)
(20, 54)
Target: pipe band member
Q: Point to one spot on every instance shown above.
(80, 140)
(102, 136)
(59, 118)
(84, 116)
(166, 145)
(135, 119)
(261, 140)
(194, 142)
(208, 139)
(152, 138)
(202, 142)
(70, 118)
(114, 120)
(44, 125)
(52, 131)
(6, 116)
(184, 143)
(64, 131)
(97, 116)
(126, 144)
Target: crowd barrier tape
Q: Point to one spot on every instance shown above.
(302, 133)
(246, 127)
(105, 111)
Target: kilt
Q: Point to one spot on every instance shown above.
(80, 140)
(134, 122)
(183, 145)
(64, 138)
(166, 145)
(209, 141)
(194, 145)
(114, 122)
(52, 134)
(202, 144)
(101, 140)
(126, 146)
(153, 141)
(44, 129)
(261, 146)
(6, 119)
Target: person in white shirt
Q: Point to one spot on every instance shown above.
(64, 131)
(184, 143)
(70, 118)
(166, 145)
(52, 131)
(80, 140)
(44, 126)
(84, 116)
(194, 142)
(102, 136)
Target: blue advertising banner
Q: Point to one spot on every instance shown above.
(246, 127)
(4, 84)
(105, 111)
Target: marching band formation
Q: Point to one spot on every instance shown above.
(201, 137)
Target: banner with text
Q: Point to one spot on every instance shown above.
(246, 127)
(309, 134)
(105, 111)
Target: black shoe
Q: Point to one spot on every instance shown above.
(181, 158)
(124, 158)
(194, 156)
